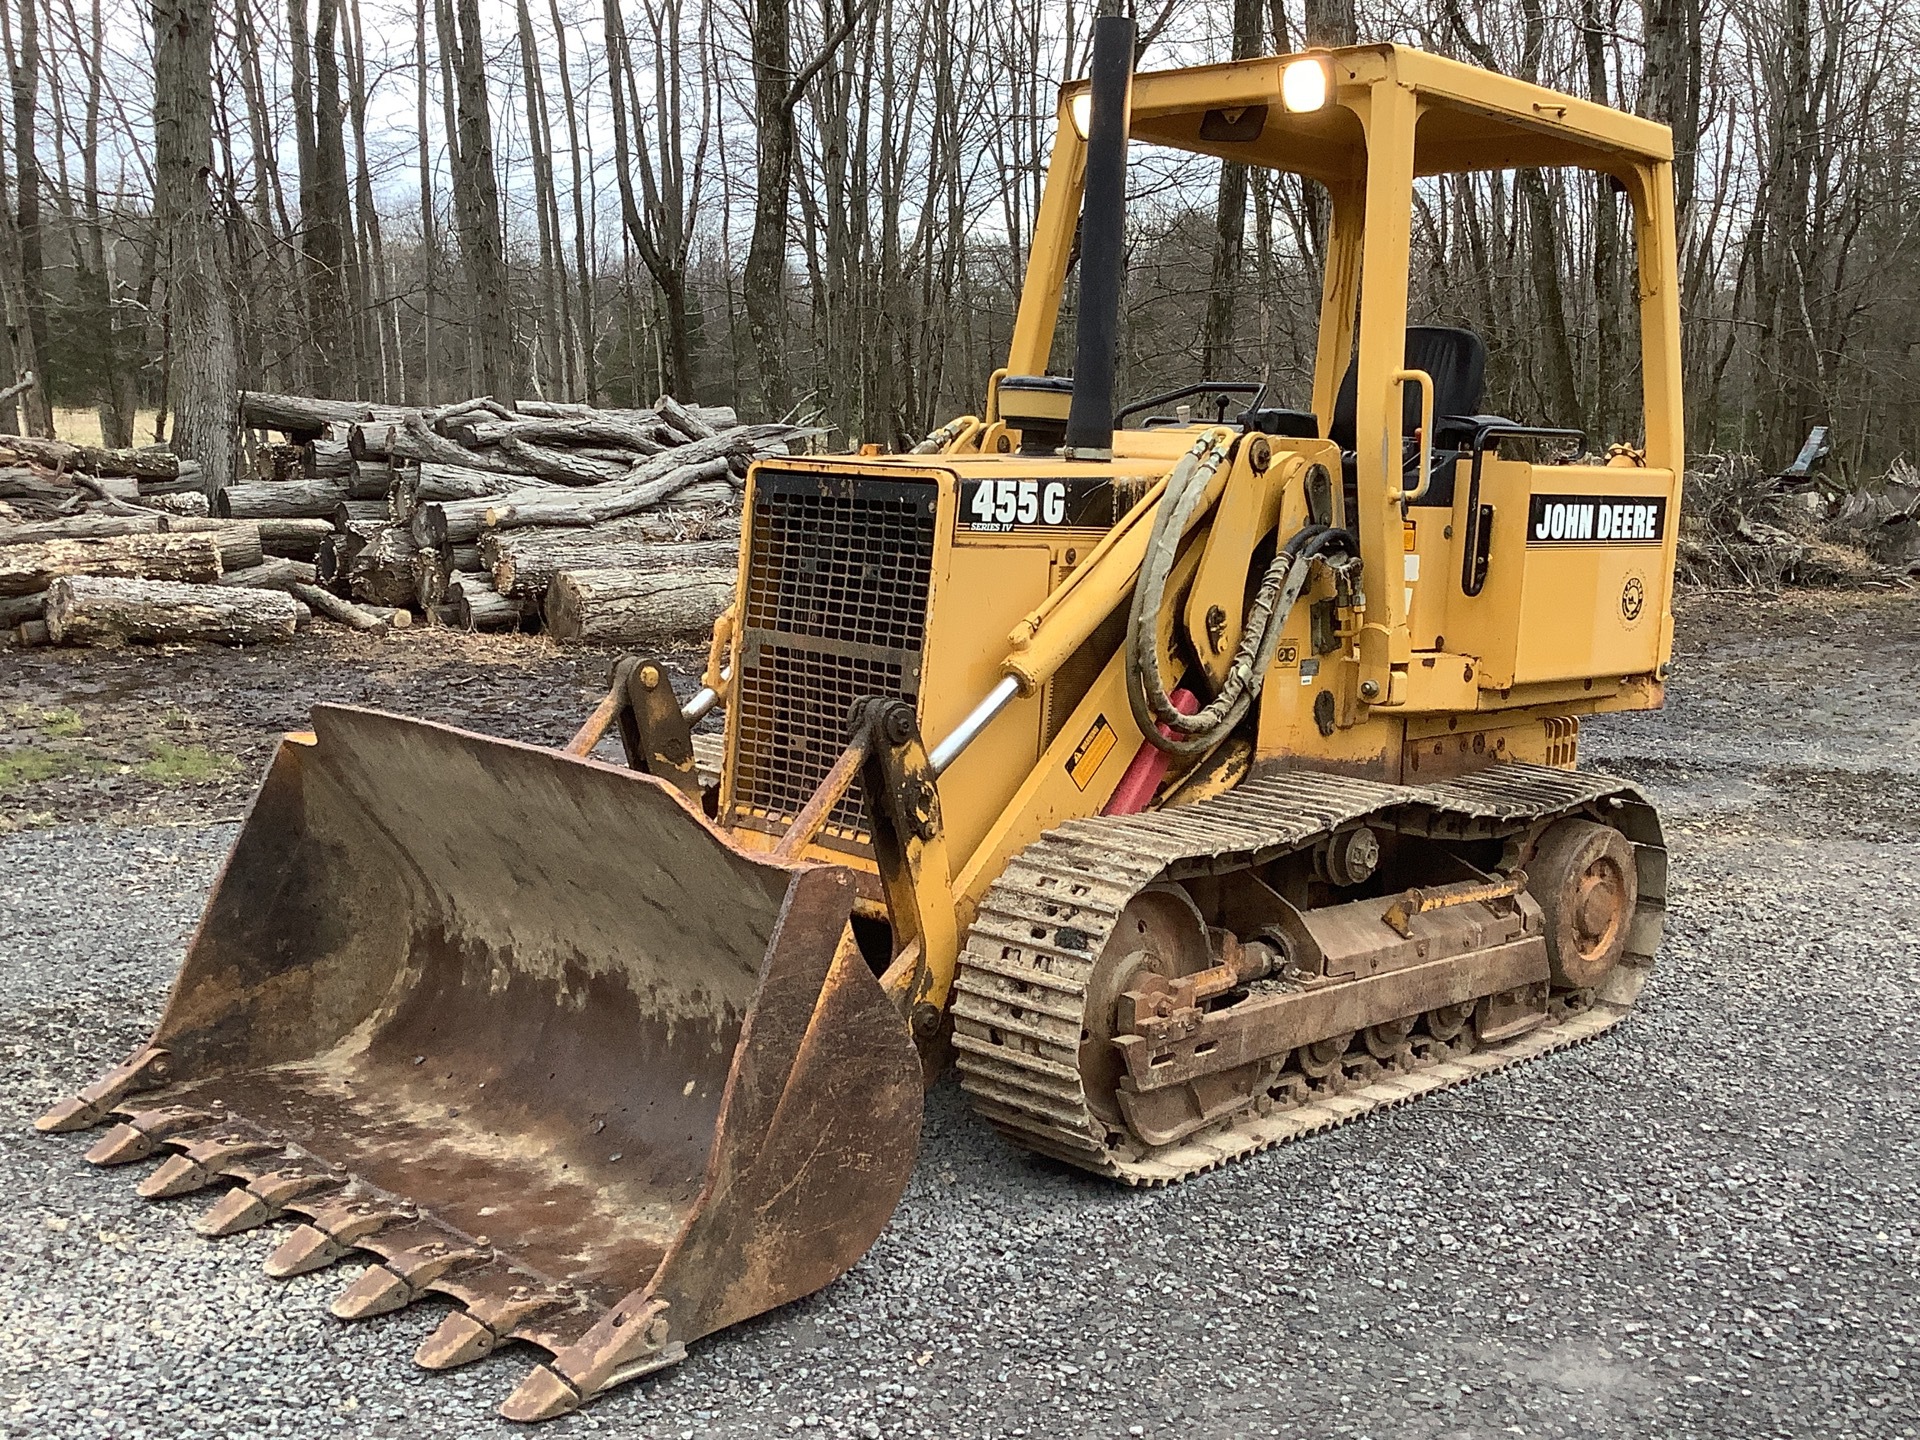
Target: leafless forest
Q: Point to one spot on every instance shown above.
(823, 206)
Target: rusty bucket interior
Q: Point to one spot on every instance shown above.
(530, 1034)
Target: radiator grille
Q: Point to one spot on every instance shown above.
(834, 607)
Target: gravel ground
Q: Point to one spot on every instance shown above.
(1701, 1225)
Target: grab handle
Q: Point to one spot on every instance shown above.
(1395, 493)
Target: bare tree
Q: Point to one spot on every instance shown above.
(492, 365)
(205, 368)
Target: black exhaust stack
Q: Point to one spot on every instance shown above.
(1103, 214)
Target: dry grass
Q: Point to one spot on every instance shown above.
(82, 426)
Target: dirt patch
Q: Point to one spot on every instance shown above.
(183, 732)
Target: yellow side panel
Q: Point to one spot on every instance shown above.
(1592, 607)
(983, 594)
(1563, 606)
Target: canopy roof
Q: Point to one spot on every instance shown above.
(1471, 119)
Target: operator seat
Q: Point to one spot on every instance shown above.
(1457, 360)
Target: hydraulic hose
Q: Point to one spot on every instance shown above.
(1273, 601)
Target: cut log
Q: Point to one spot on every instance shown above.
(644, 438)
(720, 417)
(361, 512)
(325, 460)
(296, 539)
(82, 527)
(85, 610)
(272, 573)
(637, 607)
(457, 482)
(412, 439)
(88, 459)
(381, 572)
(368, 479)
(524, 562)
(606, 502)
(708, 496)
(480, 606)
(17, 609)
(40, 495)
(325, 602)
(179, 502)
(564, 467)
(190, 557)
(485, 407)
(239, 540)
(31, 632)
(692, 426)
(305, 416)
(281, 500)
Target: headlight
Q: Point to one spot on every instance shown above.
(1080, 112)
(1305, 85)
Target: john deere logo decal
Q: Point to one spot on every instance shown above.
(1633, 599)
(1596, 519)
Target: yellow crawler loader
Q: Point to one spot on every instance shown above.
(1193, 785)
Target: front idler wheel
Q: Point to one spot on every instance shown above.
(1582, 874)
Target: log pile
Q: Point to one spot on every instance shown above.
(466, 513)
(369, 515)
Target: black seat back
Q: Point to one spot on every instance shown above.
(1457, 361)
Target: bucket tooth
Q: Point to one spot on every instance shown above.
(543, 1395)
(332, 1233)
(459, 1340)
(378, 1291)
(262, 1199)
(635, 1338)
(304, 1250)
(401, 1279)
(200, 1163)
(144, 1134)
(468, 1335)
(148, 1070)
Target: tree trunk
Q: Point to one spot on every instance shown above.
(1230, 221)
(476, 196)
(88, 611)
(1332, 22)
(16, 298)
(766, 271)
(429, 221)
(191, 557)
(26, 179)
(324, 214)
(205, 367)
(584, 337)
(638, 608)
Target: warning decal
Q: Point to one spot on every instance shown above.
(1093, 749)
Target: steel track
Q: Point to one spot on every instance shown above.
(1019, 1010)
